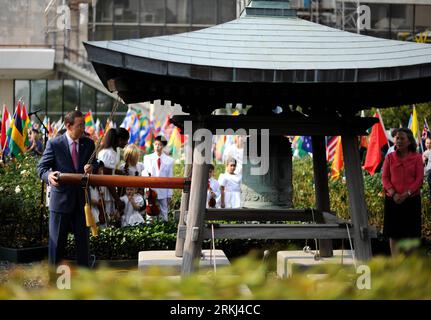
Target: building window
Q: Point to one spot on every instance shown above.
(71, 95)
(38, 95)
(204, 12)
(178, 11)
(152, 31)
(105, 11)
(88, 98)
(152, 11)
(55, 98)
(227, 10)
(380, 20)
(126, 32)
(22, 91)
(104, 32)
(401, 20)
(126, 11)
(422, 18)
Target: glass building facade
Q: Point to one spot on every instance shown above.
(117, 20)
(128, 19)
(398, 21)
(57, 97)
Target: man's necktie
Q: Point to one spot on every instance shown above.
(74, 155)
(159, 163)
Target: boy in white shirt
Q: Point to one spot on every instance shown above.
(158, 164)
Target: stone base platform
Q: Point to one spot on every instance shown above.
(167, 259)
(289, 262)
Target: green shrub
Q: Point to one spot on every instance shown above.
(21, 212)
(401, 278)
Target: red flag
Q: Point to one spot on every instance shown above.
(377, 140)
(4, 128)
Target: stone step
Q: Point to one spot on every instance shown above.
(166, 259)
(293, 261)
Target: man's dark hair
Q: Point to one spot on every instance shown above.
(33, 130)
(161, 139)
(394, 132)
(123, 134)
(211, 167)
(69, 118)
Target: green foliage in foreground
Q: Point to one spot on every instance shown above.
(400, 278)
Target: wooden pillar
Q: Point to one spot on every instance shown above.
(185, 197)
(197, 206)
(358, 210)
(321, 186)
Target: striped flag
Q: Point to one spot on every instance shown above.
(16, 142)
(338, 163)
(89, 123)
(26, 125)
(425, 134)
(331, 144)
(175, 142)
(5, 124)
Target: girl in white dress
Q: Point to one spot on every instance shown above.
(230, 186)
(134, 204)
(213, 190)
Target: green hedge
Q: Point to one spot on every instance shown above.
(401, 278)
(21, 213)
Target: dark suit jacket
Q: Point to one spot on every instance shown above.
(57, 157)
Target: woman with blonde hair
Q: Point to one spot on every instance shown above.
(132, 166)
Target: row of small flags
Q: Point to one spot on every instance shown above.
(15, 128)
(14, 136)
(143, 132)
(14, 131)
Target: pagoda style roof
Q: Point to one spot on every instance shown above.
(271, 49)
(279, 59)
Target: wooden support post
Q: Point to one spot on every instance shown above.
(197, 206)
(358, 210)
(321, 187)
(185, 197)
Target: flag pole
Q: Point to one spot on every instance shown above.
(383, 125)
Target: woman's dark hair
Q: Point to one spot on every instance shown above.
(412, 146)
(122, 134)
(110, 140)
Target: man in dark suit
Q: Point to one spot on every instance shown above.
(68, 153)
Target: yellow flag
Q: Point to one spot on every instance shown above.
(415, 125)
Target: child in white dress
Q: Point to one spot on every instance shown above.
(134, 204)
(213, 190)
(230, 186)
